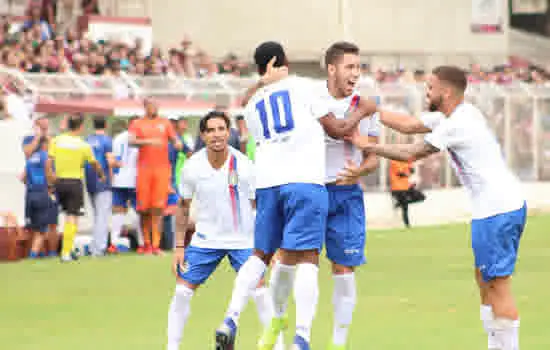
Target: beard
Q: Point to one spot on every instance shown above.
(434, 105)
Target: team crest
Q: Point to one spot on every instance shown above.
(233, 178)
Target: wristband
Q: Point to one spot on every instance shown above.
(180, 246)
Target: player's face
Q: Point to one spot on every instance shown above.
(43, 123)
(182, 125)
(345, 73)
(150, 108)
(216, 135)
(434, 93)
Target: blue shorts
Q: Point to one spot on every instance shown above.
(172, 199)
(495, 242)
(291, 217)
(201, 262)
(123, 196)
(41, 210)
(346, 230)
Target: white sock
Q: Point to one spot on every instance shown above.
(306, 294)
(282, 280)
(247, 279)
(264, 304)
(178, 314)
(487, 317)
(507, 333)
(344, 299)
(117, 224)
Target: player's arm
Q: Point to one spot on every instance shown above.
(183, 236)
(31, 145)
(271, 75)
(338, 128)
(370, 159)
(404, 123)
(50, 173)
(90, 159)
(403, 152)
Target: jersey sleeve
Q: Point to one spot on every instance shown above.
(187, 182)
(444, 136)
(318, 105)
(52, 148)
(431, 119)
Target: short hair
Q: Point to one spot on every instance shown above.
(452, 75)
(203, 124)
(265, 52)
(339, 49)
(239, 117)
(75, 122)
(100, 123)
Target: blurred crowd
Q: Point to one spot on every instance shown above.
(39, 46)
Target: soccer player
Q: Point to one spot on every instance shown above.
(41, 210)
(124, 188)
(499, 216)
(151, 134)
(68, 155)
(220, 179)
(287, 119)
(100, 191)
(346, 231)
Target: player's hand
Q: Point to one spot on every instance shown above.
(273, 74)
(178, 261)
(349, 175)
(367, 107)
(178, 145)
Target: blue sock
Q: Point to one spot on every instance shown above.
(42, 254)
(52, 253)
(33, 255)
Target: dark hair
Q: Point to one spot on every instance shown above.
(239, 117)
(75, 122)
(339, 49)
(203, 125)
(265, 52)
(452, 75)
(100, 123)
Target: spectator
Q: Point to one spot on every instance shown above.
(36, 23)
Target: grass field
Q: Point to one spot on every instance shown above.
(417, 292)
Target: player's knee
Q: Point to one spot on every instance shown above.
(338, 269)
(265, 257)
(291, 257)
(192, 286)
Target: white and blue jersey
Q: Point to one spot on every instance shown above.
(124, 177)
(101, 146)
(498, 204)
(224, 213)
(40, 206)
(291, 199)
(346, 222)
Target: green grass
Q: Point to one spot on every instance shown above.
(417, 292)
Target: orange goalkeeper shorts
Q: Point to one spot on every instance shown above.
(152, 187)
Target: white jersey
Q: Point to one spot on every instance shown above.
(224, 217)
(283, 119)
(339, 151)
(125, 176)
(478, 162)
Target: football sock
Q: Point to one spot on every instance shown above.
(282, 281)
(117, 224)
(247, 279)
(487, 317)
(507, 333)
(146, 229)
(344, 299)
(264, 304)
(69, 231)
(306, 295)
(177, 315)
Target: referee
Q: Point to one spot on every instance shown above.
(68, 155)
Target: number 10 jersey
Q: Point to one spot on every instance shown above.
(290, 143)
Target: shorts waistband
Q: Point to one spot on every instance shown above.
(334, 187)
